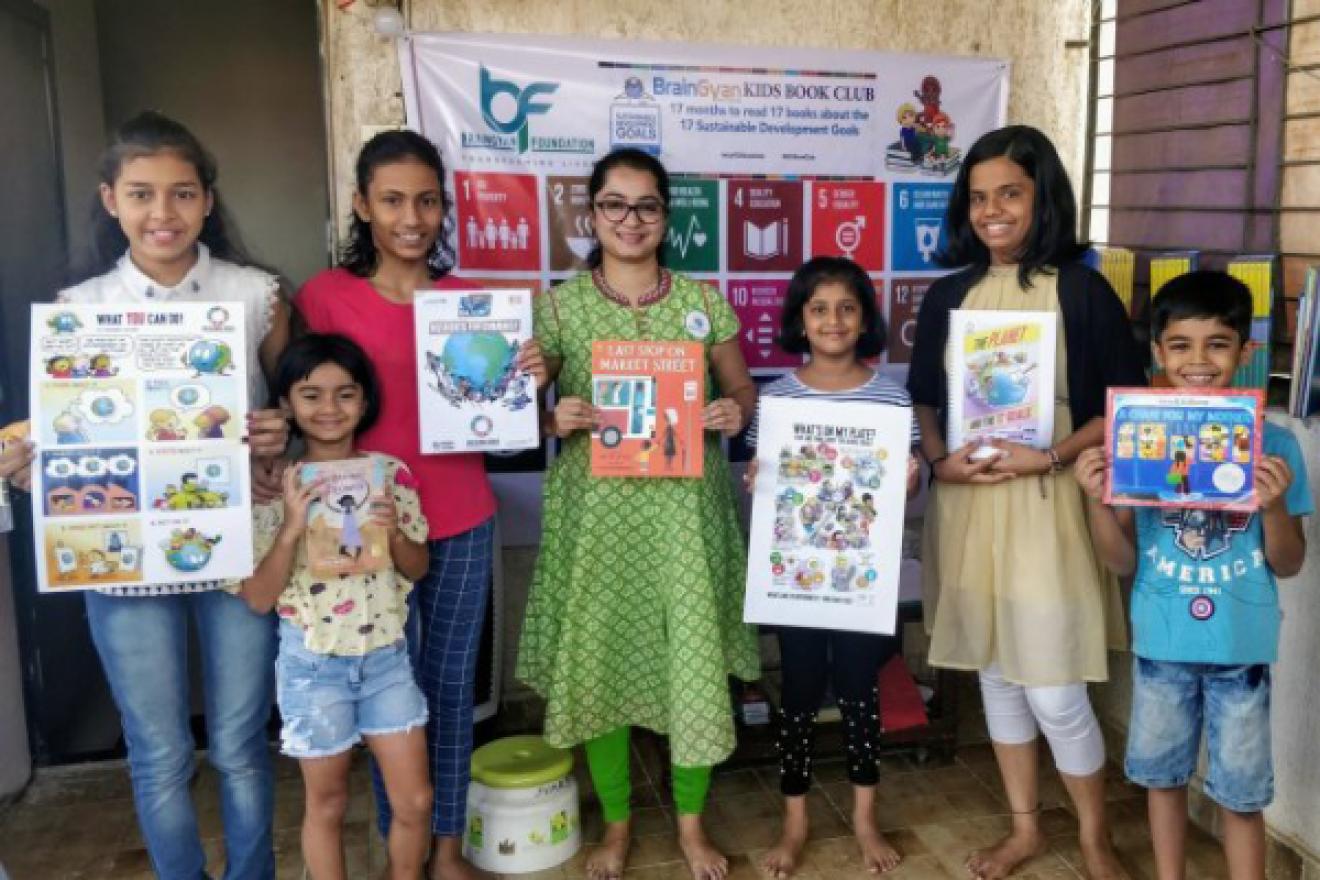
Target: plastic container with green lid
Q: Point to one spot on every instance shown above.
(520, 762)
(522, 806)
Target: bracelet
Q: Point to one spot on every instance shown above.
(1056, 464)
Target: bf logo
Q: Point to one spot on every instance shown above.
(524, 100)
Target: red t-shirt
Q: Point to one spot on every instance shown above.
(456, 496)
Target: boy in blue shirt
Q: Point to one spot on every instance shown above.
(1205, 606)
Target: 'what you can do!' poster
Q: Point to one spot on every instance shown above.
(142, 475)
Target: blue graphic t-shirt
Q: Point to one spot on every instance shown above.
(1203, 591)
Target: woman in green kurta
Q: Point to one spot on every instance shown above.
(635, 615)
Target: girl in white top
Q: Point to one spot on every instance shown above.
(159, 235)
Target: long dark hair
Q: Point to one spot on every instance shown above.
(147, 134)
(359, 252)
(637, 160)
(1052, 240)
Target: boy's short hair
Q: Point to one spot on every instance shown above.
(1203, 294)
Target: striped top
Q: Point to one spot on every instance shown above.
(877, 389)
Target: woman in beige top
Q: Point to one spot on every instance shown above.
(1013, 588)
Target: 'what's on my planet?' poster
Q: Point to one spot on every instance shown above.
(138, 413)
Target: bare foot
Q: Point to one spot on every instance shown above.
(456, 869)
(447, 862)
(704, 860)
(607, 859)
(1101, 863)
(877, 855)
(782, 861)
(998, 861)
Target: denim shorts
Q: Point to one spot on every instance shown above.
(329, 702)
(1169, 702)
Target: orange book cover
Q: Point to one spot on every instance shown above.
(649, 394)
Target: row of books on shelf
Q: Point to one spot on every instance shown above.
(1259, 272)
(1304, 394)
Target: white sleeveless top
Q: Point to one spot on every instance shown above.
(209, 280)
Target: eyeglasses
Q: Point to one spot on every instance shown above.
(648, 211)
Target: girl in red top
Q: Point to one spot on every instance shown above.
(395, 248)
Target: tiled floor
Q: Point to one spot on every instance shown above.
(78, 823)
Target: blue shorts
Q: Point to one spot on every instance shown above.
(329, 702)
(1169, 701)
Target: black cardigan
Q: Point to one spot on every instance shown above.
(1102, 352)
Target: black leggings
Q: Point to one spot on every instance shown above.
(851, 661)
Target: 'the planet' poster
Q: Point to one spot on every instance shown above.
(142, 476)
(471, 395)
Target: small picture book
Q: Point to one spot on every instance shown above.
(649, 396)
(1183, 448)
(341, 536)
(1001, 377)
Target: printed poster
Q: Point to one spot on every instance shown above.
(1193, 448)
(142, 475)
(649, 396)
(826, 509)
(1001, 377)
(341, 537)
(471, 395)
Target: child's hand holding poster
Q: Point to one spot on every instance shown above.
(649, 396)
(1183, 448)
(827, 514)
(1001, 377)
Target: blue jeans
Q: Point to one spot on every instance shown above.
(1170, 701)
(446, 611)
(143, 644)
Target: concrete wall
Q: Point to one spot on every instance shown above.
(1048, 80)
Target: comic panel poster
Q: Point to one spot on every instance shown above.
(143, 475)
(1001, 377)
(649, 396)
(829, 494)
(1183, 448)
(472, 396)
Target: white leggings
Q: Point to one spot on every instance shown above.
(1063, 713)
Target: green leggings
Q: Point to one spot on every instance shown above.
(607, 758)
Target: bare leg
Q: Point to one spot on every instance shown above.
(1017, 767)
(607, 860)
(447, 862)
(1167, 808)
(704, 860)
(782, 861)
(877, 855)
(403, 765)
(326, 784)
(1088, 796)
(1244, 844)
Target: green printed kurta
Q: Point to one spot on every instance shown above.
(635, 614)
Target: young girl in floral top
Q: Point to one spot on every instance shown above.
(343, 673)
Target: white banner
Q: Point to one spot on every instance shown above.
(827, 510)
(777, 154)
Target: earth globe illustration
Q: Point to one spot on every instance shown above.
(1005, 387)
(480, 359)
(189, 552)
